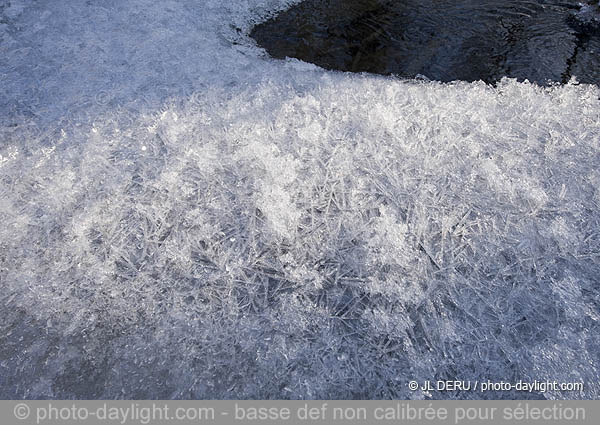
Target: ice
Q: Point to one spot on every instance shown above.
(184, 217)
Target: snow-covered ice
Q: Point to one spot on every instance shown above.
(184, 217)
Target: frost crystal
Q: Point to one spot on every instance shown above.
(176, 205)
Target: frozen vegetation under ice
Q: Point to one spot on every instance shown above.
(184, 217)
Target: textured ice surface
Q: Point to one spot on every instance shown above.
(183, 217)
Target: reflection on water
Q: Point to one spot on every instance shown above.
(445, 40)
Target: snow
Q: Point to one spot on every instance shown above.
(185, 217)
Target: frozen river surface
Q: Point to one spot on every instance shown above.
(185, 217)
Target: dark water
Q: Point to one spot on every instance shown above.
(446, 40)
